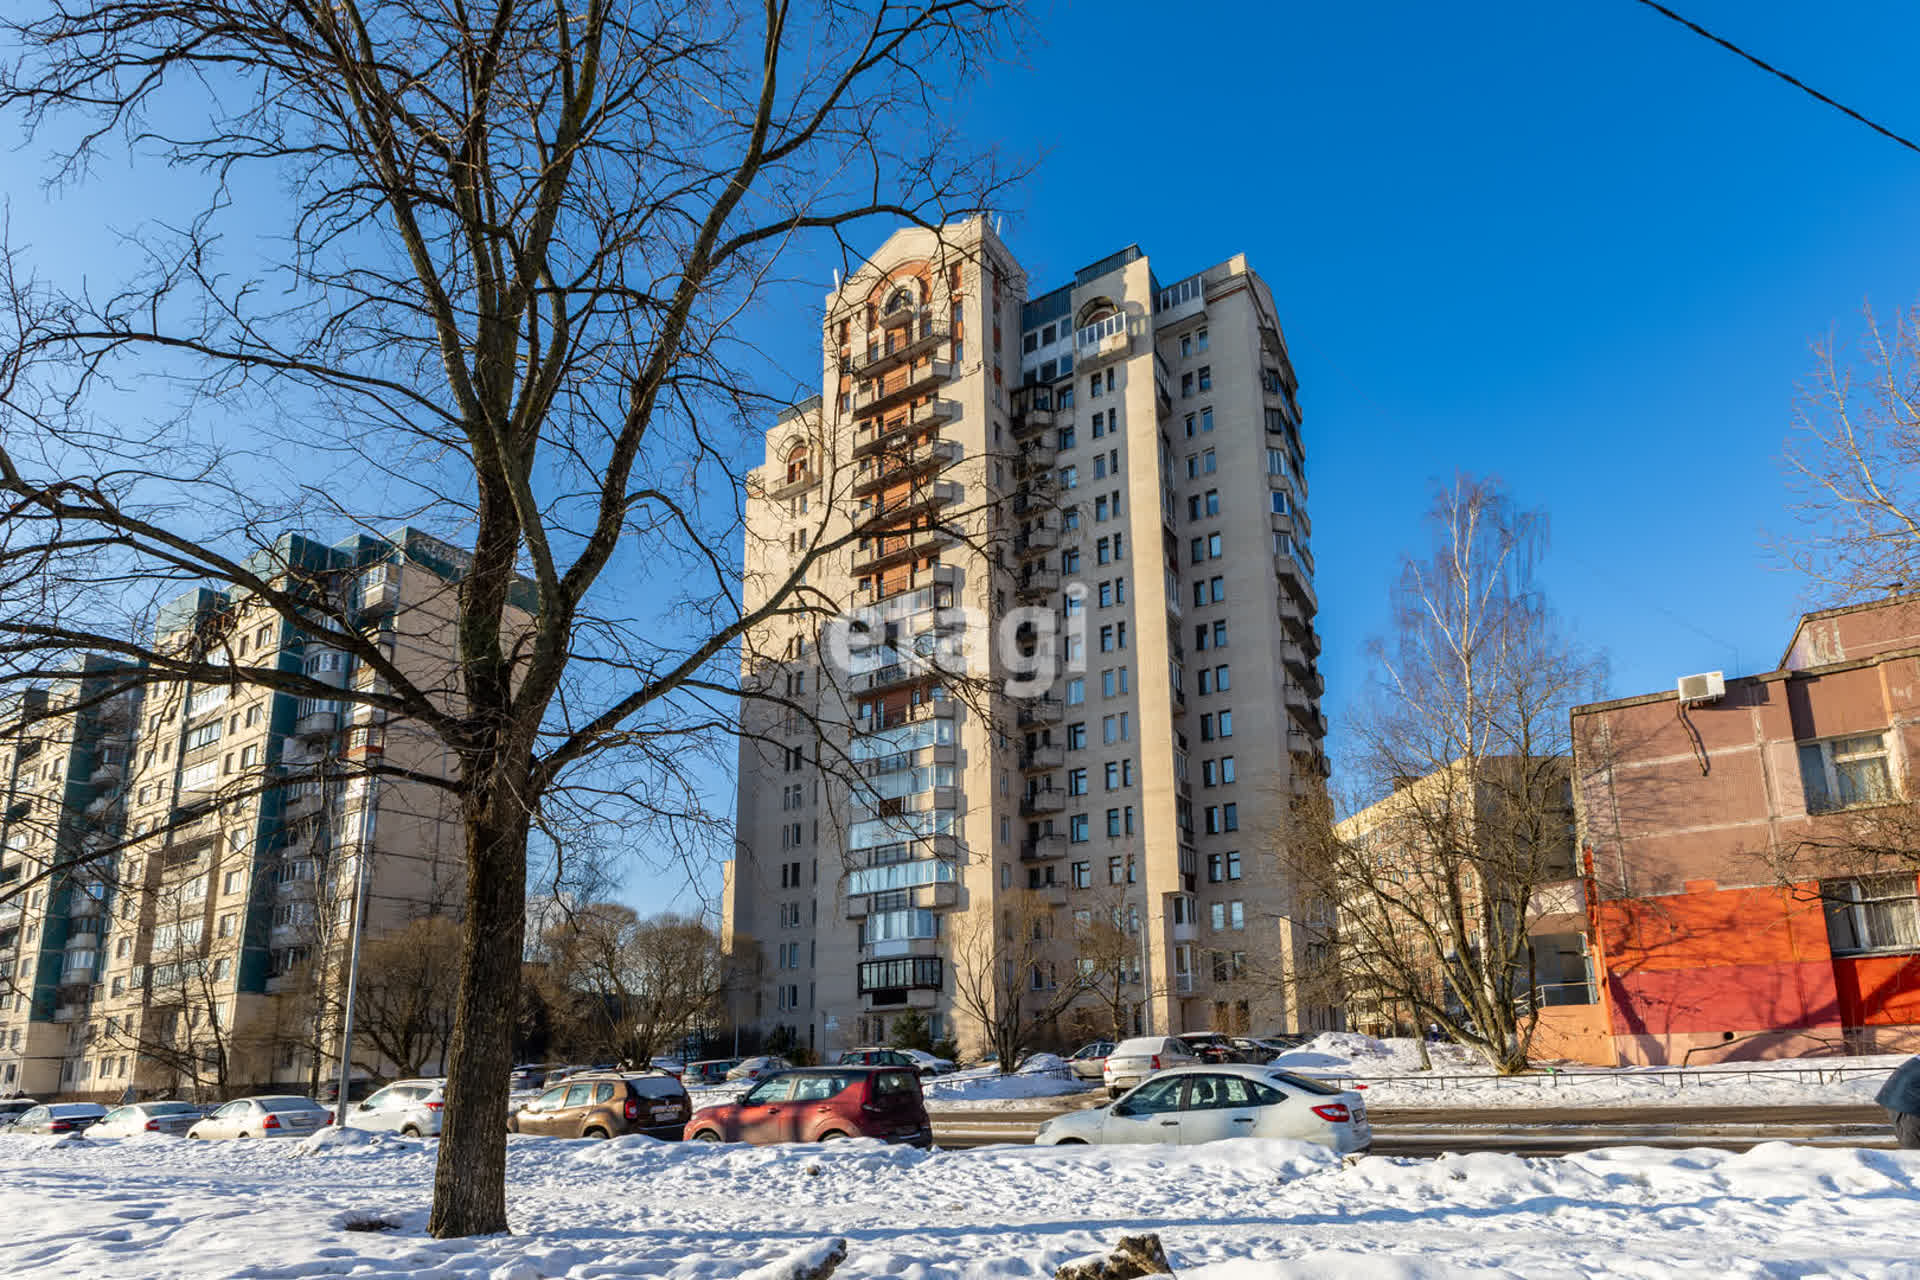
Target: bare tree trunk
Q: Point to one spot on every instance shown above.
(469, 1180)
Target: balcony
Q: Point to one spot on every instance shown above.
(69, 1012)
(1038, 454)
(1183, 984)
(1183, 932)
(1040, 803)
(1046, 709)
(789, 485)
(1031, 419)
(316, 724)
(939, 709)
(1042, 536)
(9, 914)
(1298, 665)
(1299, 702)
(885, 549)
(919, 500)
(379, 597)
(1045, 755)
(1039, 582)
(879, 437)
(932, 897)
(895, 350)
(301, 804)
(917, 382)
(1053, 894)
(1041, 848)
(893, 675)
(1103, 340)
(893, 468)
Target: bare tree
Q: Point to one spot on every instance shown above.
(1016, 973)
(1107, 953)
(403, 1004)
(635, 988)
(518, 241)
(1853, 465)
(1464, 745)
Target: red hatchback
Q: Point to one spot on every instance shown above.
(820, 1104)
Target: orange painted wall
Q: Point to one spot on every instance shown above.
(1574, 1033)
(1878, 990)
(1716, 960)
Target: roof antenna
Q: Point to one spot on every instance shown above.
(836, 278)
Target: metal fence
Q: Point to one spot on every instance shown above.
(1671, 1077)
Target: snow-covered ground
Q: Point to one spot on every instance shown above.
(1246, 1210)
(1392, 1073)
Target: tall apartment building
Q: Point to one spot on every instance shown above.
(1110, 471)
(207, 951)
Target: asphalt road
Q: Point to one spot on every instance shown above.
(1520, 1130)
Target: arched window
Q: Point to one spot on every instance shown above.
(901, 299)
(797, 469)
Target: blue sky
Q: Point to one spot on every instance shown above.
(1571, 244)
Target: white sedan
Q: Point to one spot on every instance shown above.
(171, 1118)
(277, 1116)
(1203, 1104)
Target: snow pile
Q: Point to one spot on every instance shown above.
(801, 1262)
(986, 1086)
(1042, 1064)
(334, 1140)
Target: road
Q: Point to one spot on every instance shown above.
(1526, 1131)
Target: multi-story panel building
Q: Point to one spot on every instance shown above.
(253, 834)
(1109, 474)
(63, 754)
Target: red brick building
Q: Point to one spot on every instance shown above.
(1748, 894)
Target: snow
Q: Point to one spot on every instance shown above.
(1240, 1210)
(1392, 1074)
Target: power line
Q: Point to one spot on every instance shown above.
(1770, 69)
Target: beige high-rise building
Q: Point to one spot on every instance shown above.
(1109, 477)
(208, 950)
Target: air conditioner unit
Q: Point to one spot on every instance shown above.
(1708, 686)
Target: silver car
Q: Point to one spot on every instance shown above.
(411, 1108)
(1223, 1100)
(270, 1116)
(59, 1117)
(172, 1118)
(1134, 1060)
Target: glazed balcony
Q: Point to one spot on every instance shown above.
(1105, 339)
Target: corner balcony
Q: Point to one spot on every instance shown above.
(917, 382)
(896, 467)
(884, 549)
(1041, 803)
(1042, 848)
(1046, 755)
(380, 597)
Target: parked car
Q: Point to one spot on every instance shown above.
(268, 1116)
(608, 1104)
(531, 1075)
(1089, 1061)
(711, 1071)
(1133, 1060)
(59, 1117)
(820, 1104)
(929, 1064)
(134, 1119)
(757, 1068)
(12, 1109)
(411, 1108)
(1209, 1046)
(878, 1057)
(1207, 1103)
